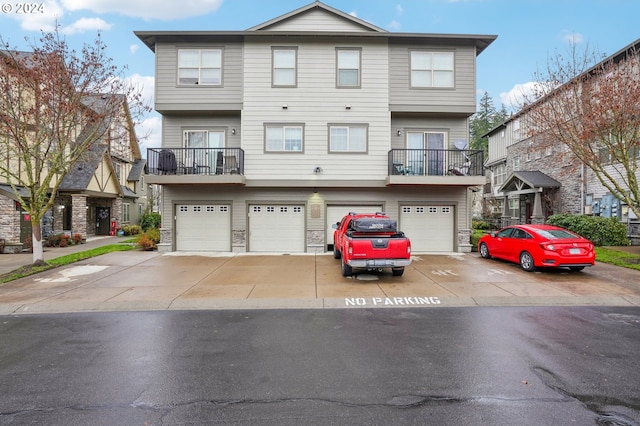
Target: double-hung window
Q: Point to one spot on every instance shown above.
(200, 66)
(432, 69)
(284, 138)
(347, 138)
(284, 67)
(348, 68)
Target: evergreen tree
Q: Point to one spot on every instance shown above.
(484, 120)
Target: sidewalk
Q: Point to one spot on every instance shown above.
(11, 262)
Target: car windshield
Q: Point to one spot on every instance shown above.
(554, 234)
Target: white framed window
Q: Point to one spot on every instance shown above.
(284, 61)
(432, 69)
(126, 215)
(347, 138)
(348, 68)
(500, 174)
(200, 66)
(284, 138)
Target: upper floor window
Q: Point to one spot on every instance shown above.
(500, 174)
(284, 66)
(352, 138)
(348, 64)
(284, 138)
(431, 69)
(200, 66)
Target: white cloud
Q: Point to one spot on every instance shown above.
(515, 97)
(394, 25)
(399, 10)
(353, 13)
(146, 9)
(150, 133)
(134, 48)
(40, 21)
(572, 38)
(86, 24)
(145, 84)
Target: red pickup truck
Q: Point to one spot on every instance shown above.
(371, 241)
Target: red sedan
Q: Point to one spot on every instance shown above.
(538, 246)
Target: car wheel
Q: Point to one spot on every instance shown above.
(484, 251)
(346, 269)
(397, 271)
(576, 268)
(526, 261)
(336, 253)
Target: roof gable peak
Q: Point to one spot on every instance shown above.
(280, 22)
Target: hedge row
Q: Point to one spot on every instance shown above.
(600, 230)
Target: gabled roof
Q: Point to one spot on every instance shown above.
(314, 7)
(78, 179)
(137, 170)
(528, 181)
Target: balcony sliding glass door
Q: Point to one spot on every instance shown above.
(426, 153)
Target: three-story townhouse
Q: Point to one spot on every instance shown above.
(272, 134)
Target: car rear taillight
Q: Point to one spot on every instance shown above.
(548, 246)
(350, 249)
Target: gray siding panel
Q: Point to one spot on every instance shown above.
(461, 98)
(169, 93)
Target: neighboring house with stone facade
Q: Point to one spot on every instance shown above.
(107, 188)
(272, 134)
(530, 179)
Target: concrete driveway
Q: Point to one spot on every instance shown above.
(138, 280)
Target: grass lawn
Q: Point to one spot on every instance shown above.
(27, 270)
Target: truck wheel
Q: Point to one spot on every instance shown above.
(397, 271)
(346, 269)
(336, 253)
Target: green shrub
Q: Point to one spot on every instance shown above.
(131, 229)
(480, 224)
(150, 220)
(600, 230)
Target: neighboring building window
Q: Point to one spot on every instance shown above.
(348, 138)
(284, 138)
(118, 168)
(500, 174)
(516, 163)
(284, 66)
(203, 67)
(431, 69)
(516, 130)
(514, 207)
(348, 64)
(126, 216)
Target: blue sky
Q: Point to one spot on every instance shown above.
(528, 30)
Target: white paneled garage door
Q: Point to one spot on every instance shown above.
(335, 213)
(430, 228)
(203, 227)
(276, 228)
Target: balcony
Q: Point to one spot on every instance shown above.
(436, 167)
(195, 165)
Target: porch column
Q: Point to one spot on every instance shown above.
(79, 215)
(537, 216)
(506, 218)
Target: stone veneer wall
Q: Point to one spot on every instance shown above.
(9, 220)
(79, 215)
(557, 163)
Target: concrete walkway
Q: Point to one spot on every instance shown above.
(136, 280)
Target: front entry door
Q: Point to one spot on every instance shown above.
(103, 216)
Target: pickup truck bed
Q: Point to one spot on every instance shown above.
(371, 241)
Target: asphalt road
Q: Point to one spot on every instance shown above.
(445, 366)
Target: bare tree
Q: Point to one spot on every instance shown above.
(594, 109)
(49, 117)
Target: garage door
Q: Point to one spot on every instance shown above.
(203, 227)
(430, 228)
(336, 212)
(276, 228)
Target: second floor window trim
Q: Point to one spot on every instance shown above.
(348, 138)
(432, 69)
(284, 138)
(285, 67)
(201, 67)
(348, 66)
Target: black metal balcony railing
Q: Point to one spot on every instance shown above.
(198, 161)
(436, 162)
